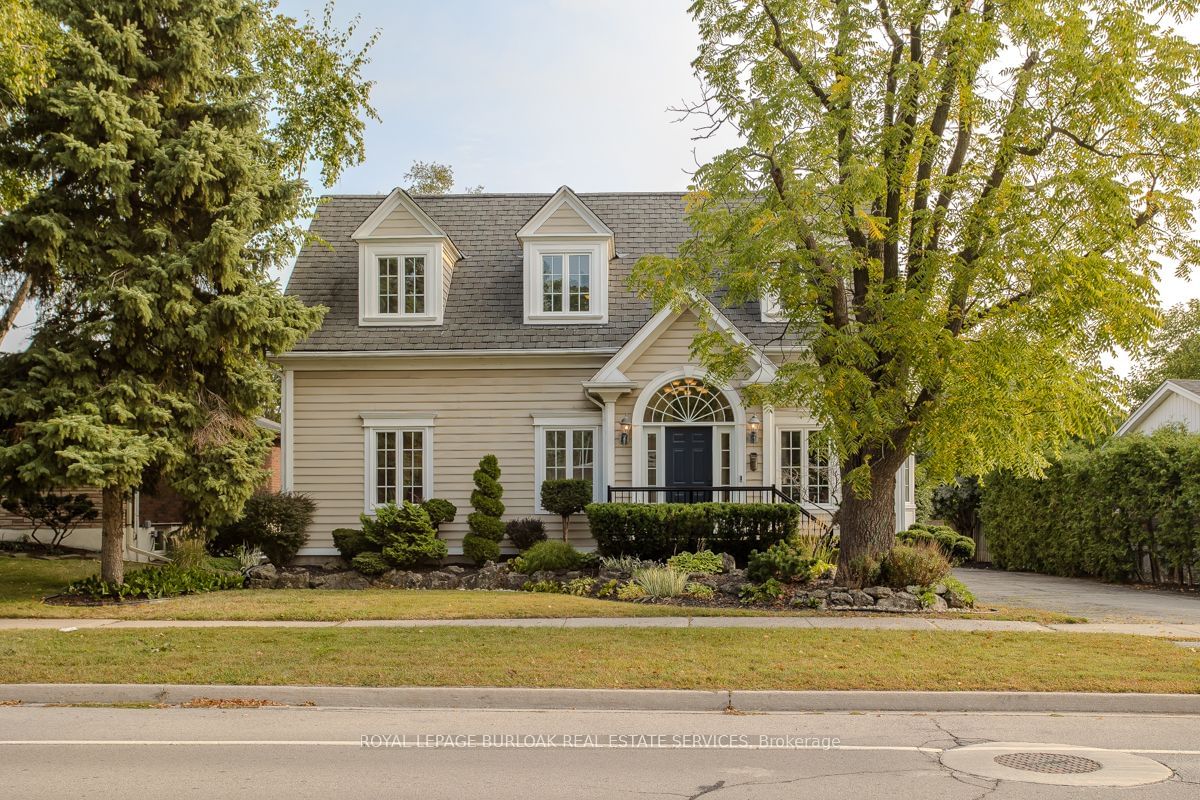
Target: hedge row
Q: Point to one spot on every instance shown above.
(657, 531)
(1129, 510)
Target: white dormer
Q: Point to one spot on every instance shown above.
(405, 262)
(567, 250)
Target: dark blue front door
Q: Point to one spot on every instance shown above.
(689, 464)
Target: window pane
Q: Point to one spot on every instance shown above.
(791, 464)
(413, 489)
(389, 286)
(552, 283)
(385, 467)
(726, 459)
(556, 455)
(414, 284)
(651, 459)
(820, 484)
(581, 454)
(580, 283)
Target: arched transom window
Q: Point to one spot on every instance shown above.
(688, 400)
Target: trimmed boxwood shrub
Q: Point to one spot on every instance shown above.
(274, 522)
(658, 531)
(403, 534)
(955, 546)
(370, 563)
(350, 542)
(566, 497)
(548, 555)
(440, 511)
(1129, 510)
(525, 533)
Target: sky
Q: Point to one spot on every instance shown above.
(528, 95)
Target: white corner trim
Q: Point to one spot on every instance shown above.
(287, 433)
(390, 419)
(564, 196)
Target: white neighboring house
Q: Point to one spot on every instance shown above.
(1176, 402)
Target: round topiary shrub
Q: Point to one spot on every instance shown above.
(548, 556)
(370, 563)
(440, 511)
(566, 497)
(525, 533)
(404, 534)
(484, 522)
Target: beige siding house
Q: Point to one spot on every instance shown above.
(461, 325)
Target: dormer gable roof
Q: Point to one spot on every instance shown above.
(565, 215)
(399, 207)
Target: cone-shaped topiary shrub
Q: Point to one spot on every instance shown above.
(403, 533)
(483, 542)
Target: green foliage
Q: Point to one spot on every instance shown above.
(247, 557)
(480, 550)
(350, 542)
(61, 513)
(222, 564)
(700, 591)
(706, 562)
(626, 564)
(786, 562)
(1173, 352)
(580, 587)
(440, 511)
(923, 488)
(859, 571)
(956, 547)
(566, 497)
(274, 522)
(918, 564)
(163, 157)
(155, 582)
(187, 552)
(769, 591)
(1125, 511)
(657, 531)
(609, 588)
(548, 587)
(957, 504)
(403, 534)
(525, 533)
(370, 563)
(547, 556)
(429, 177)
(930, 228)
(661, 581)
(957, 591)
(484, 522)
(631, 592)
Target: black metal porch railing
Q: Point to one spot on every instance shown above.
(711, 494)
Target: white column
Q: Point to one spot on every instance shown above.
(608, 431)
(768, 446)
(287, 432)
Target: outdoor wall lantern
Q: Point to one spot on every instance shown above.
(754, 462)
(625, 429)
(753, 425)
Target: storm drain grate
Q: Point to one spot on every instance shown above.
(1048, 763)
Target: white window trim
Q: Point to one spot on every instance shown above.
(737, 454)
(834, 487)
(543, 423)
(381, 422)
(768, 303)
(597, 252)
(368, 281)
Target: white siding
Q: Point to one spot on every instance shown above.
(1175, 409)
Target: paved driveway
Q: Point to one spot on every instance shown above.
(1099, 602)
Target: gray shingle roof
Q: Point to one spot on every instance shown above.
(1185, 383)
(485, 310)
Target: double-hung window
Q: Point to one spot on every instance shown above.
(566, 283)
(398, 462)
(565, 449)
(401, 285)
(807, 466)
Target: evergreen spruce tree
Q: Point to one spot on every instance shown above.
(163, 203)
(482, 543)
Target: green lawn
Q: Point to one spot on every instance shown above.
(604, 658)
(25, 581)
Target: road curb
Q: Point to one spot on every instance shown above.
(610, 699)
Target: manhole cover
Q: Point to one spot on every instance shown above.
(1048, 763)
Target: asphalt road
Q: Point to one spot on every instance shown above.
(59, 752)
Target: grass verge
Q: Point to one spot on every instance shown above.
(604, 658)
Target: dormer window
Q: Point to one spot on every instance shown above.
(567, 249)
(771, 310)
(566, 283)
(406, 262)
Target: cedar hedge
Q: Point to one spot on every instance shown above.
(658, 531)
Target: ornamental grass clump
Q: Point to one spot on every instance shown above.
(661, 581)
(918, 564)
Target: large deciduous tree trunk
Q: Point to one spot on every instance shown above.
(112, 537)
(867, 527)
